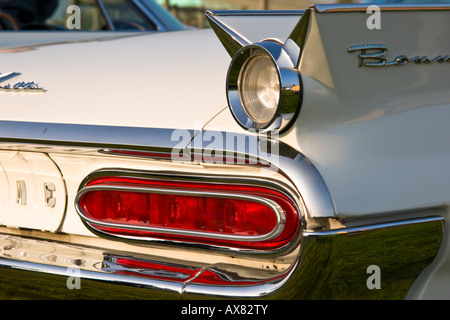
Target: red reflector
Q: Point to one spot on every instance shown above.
(180, 273)
(154, 270)
(210, 277)
(226, 215)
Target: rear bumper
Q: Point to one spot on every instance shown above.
(330, 265)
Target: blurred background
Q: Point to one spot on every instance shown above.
(191, 12)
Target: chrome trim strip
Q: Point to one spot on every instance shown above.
(327, 8)
(281, 219)
(274, 154)
(366, 228)
(94, 136)
(8, 75)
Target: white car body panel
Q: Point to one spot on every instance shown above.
(380, 137)
(69, 74)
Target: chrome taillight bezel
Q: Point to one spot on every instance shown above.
(210, 240)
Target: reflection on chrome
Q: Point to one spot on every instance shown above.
(46, 252)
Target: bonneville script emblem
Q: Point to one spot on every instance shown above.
(373, 55)
(19, 86)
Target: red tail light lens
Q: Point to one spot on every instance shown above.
(240, 216)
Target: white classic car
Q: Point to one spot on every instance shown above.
(280, 155)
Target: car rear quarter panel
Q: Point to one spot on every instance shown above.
(379, 136)
(163, 80)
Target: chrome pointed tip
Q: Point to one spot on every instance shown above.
(231, 40)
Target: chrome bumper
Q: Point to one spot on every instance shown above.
(330, 265)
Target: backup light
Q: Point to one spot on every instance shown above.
(259, 88)
(263, 87)
(238, 216)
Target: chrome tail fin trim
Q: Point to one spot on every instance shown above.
(231, 40)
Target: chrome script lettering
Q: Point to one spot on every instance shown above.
(374, 55)
(19, 87)
(22, 87)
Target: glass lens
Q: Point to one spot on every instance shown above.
(259, 88)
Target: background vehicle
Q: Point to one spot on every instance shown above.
(94, 15)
